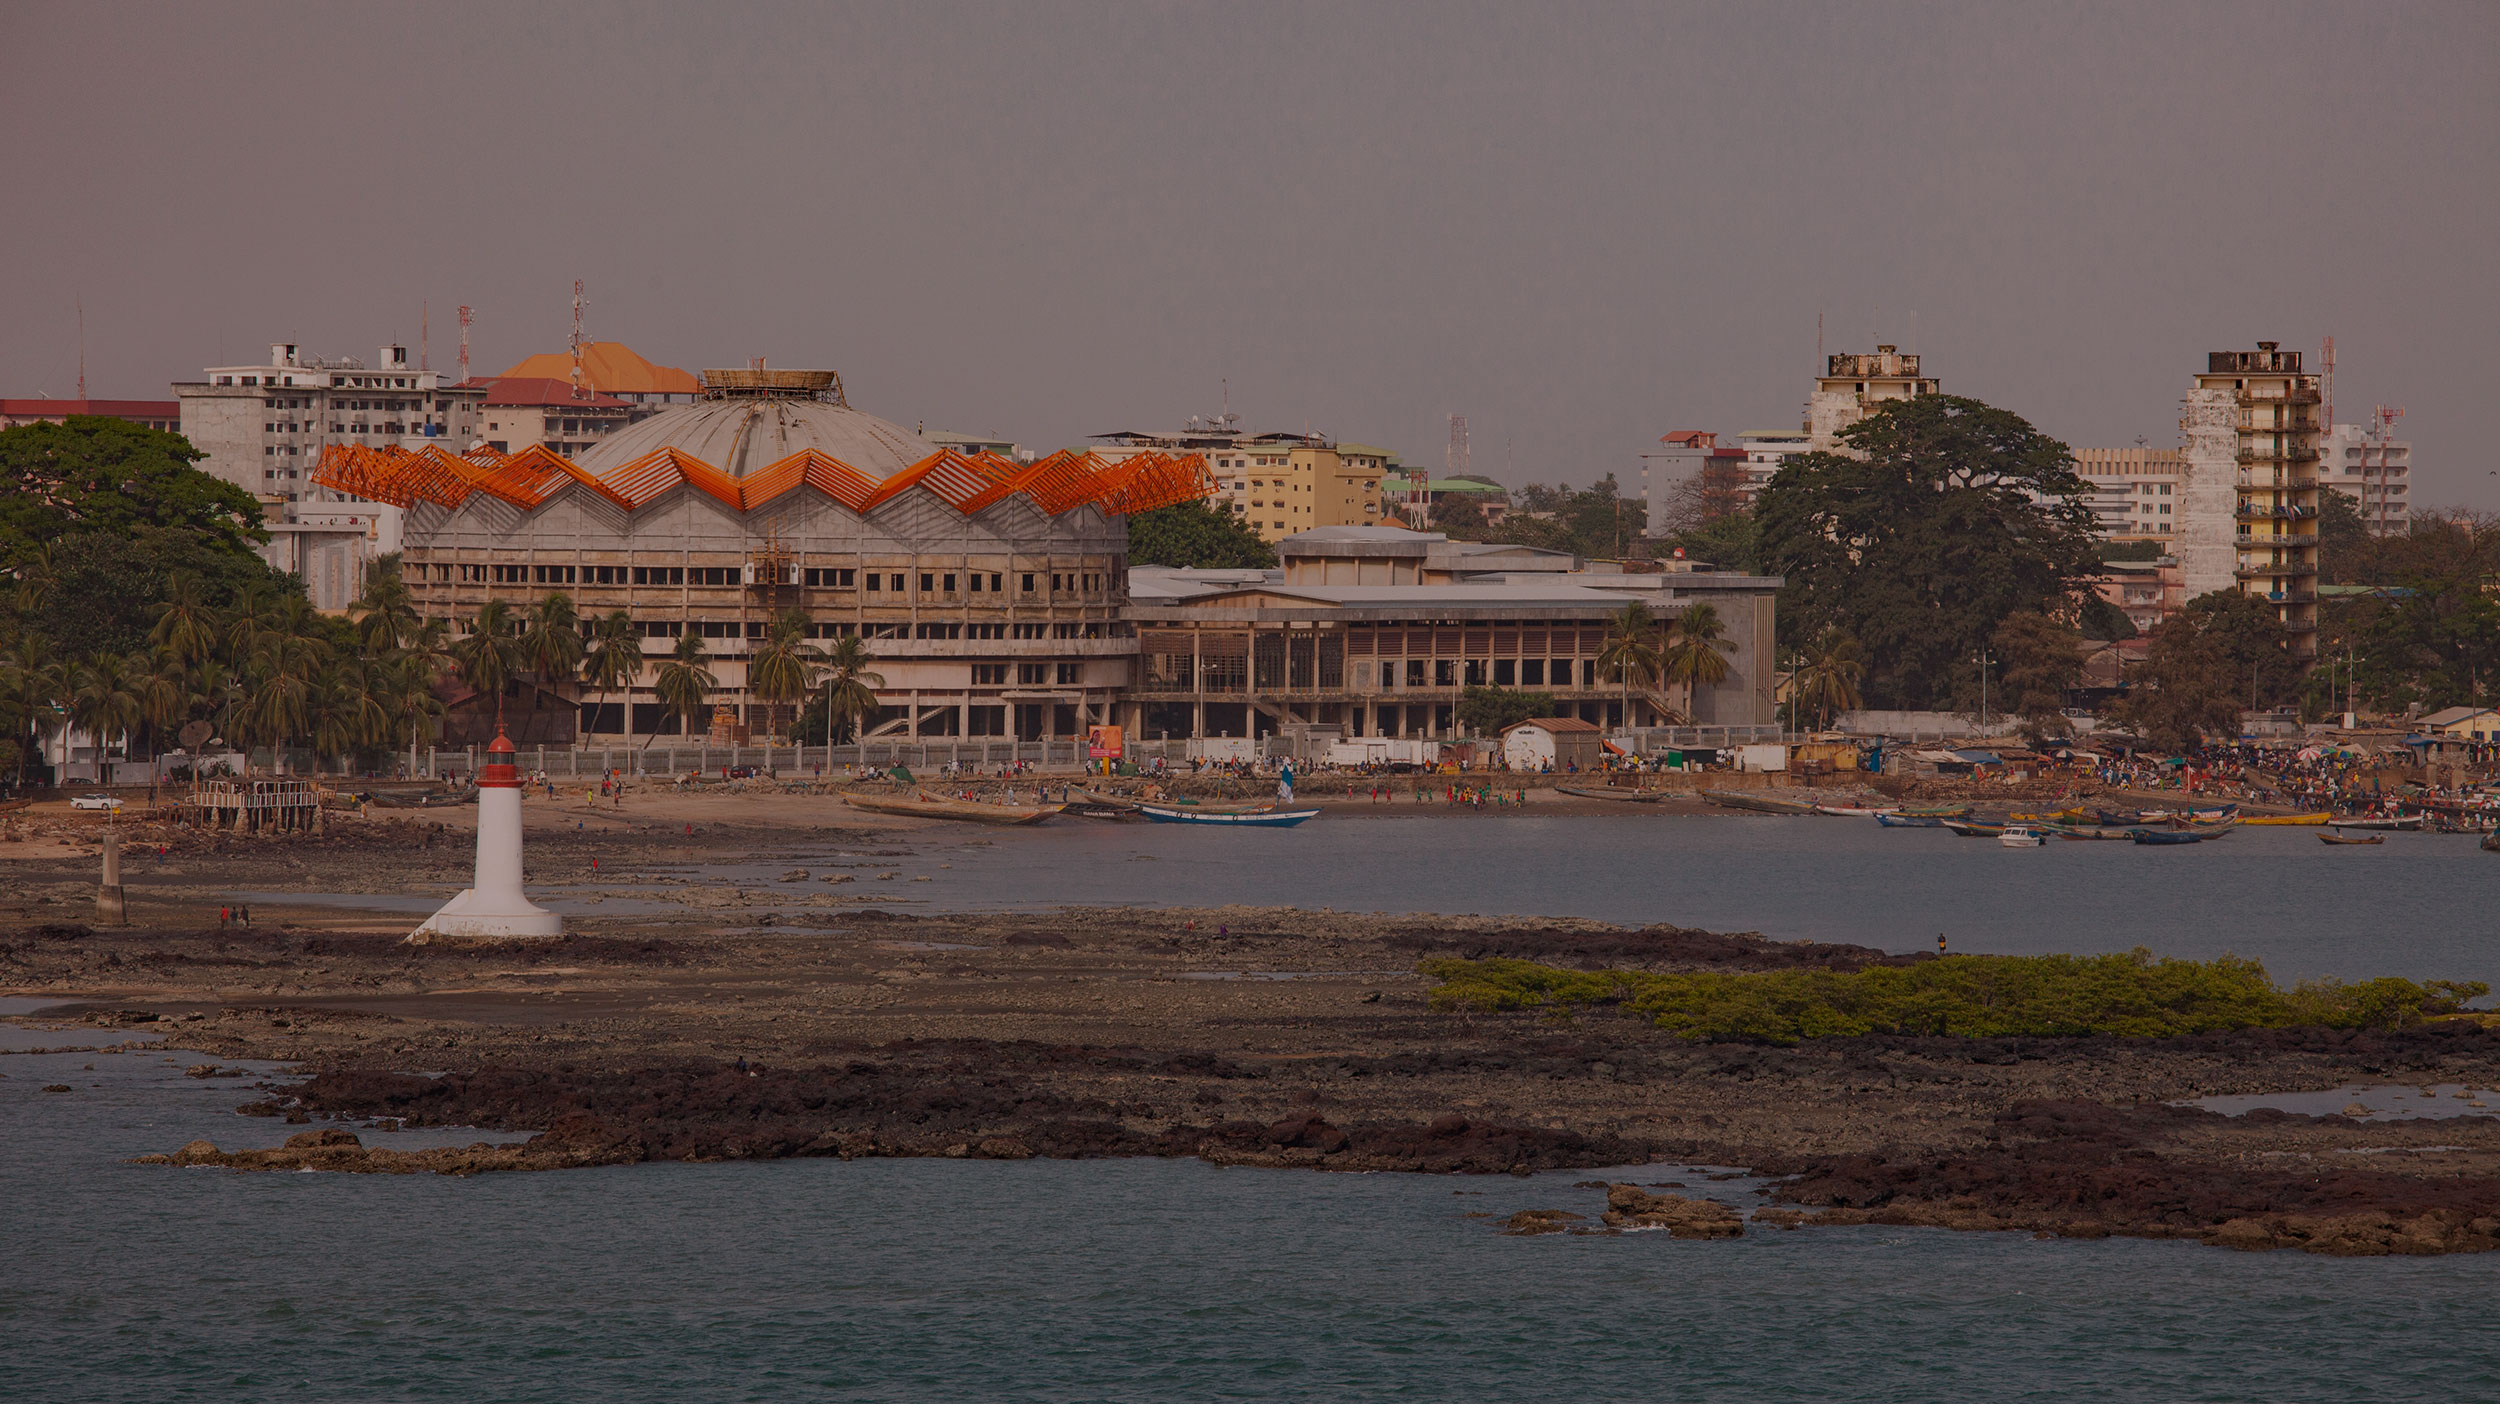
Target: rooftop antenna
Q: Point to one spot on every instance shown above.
(1818, 338)
(81, 303)
(425, 333)
(464, 345)
(2326, 387)
(577, 338)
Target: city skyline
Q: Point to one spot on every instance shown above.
(1581, 230)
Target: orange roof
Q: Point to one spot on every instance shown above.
(966, 482)
(611, 368)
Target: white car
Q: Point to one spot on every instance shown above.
(104, 802)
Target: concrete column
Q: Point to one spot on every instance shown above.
(109, 908)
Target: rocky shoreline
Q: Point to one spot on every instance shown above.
(1247, 1036)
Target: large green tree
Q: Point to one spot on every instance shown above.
(1945, 516)
(99, 474)
(1195, 534)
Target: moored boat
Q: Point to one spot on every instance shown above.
(2408, 821)
(1760, 804)
(1266, 819)
(2021, 836)
(1909, 821)
(2165, 837)
(1612, 792)
(969, 811)
(2307, 820)
(1974, 828)
(2340, 838)
(1855, 811)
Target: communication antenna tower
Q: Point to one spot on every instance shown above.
(81, 303)
(577, 338)
(2326, 387)
(425, 332)
(464, 345)
(1453, 464)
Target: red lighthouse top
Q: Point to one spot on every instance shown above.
(499, 772)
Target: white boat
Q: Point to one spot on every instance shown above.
(1854, 811)
(2022, 836)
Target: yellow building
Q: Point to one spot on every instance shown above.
(1278, 484)
(2252, 423)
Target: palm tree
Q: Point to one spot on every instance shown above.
(614, 661)
(1829, 670)
(187, 627)
(1632, 654)
(783, 669)
(32, 685)
(551, 645)
(104, 702)
(408, 701)
(36, 579)
(279, 690)
(850, 687)
(490, 655)
(385, 614)
(684, 683)
(1697, 656)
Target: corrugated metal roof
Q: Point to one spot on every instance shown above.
(611, 366)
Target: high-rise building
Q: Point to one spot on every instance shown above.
(2367, 464)
(1695, 456)
(2249, 489)
(2135, 491)
(1853, 386)
(1278, 483)
(263, 427)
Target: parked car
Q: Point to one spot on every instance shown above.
(104, 802)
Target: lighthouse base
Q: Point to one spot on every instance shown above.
(469, 915)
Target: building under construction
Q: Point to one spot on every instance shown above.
(991, 591)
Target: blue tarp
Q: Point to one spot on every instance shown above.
(1980, 757)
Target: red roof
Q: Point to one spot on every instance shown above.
(119, 409)
(535, 391)
(1703, 437)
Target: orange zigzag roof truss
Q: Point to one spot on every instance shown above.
(968, 483)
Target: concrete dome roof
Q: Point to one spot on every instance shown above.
(746, 435)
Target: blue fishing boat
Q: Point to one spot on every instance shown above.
(1909, 821)
(1266, 819)
(2167, 836)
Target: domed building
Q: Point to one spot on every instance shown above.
(990, 591)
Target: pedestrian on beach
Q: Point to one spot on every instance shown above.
(225, 917)
(245, 913)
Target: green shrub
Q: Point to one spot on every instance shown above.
(2131, 995)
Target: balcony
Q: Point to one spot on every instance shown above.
(2268, 572)
(2295, 396)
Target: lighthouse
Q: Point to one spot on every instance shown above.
(494, 905)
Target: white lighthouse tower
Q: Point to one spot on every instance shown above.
(494, 904)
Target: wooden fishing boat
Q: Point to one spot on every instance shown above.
(1974, 828)
(922, 806)
(2408, 821)
(1855, 811)
(2165, 837)
(1759, 804)
(1268, 819)
(1909, 821)
(2306, 820)
(2102, 833)
(1936, 811)
(2340, 838)
(1609, 792)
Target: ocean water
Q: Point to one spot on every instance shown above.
(2419, 906)
(1114, 1280)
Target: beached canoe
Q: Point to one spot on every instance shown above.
(1909, 821)
(2309, 820)
(1759, 804)
(1936, 811)
(1975, 828)
(969, 811)
(2409, 821)
(2165, 837)
(1609, 792)
(2339, 838)
(1854, 811)
(1270, 819)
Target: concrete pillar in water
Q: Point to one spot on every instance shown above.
(494, 905)
(109, 907)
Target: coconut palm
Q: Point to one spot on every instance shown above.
(1632, 655)
(614, 661)
(1696, 657)
(1829, 669)
(385, 614)
(684, 683)
(104, 702)
(850, 687)
(187, 626)
(279, 687)
(408, 701)
(489, 656)
(783, 668)
(551, 642)
(35, 579)
(32, 688)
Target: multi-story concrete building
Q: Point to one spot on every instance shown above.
(1716, 471)
(1277, 483)
(1853, 386)
(523, 410)
(613, 369)
(2373, 468)
(991, 591)
(1766, 452)
(263, 428)
(1377, 631)
(2249, 484)
(2135, 491)
(147, 414)
(2147, 592)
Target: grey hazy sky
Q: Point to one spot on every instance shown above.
(1580, 225)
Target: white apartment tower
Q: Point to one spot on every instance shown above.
(2249, 485)
(2366, 463)
(2135, 491)
(263, 427)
